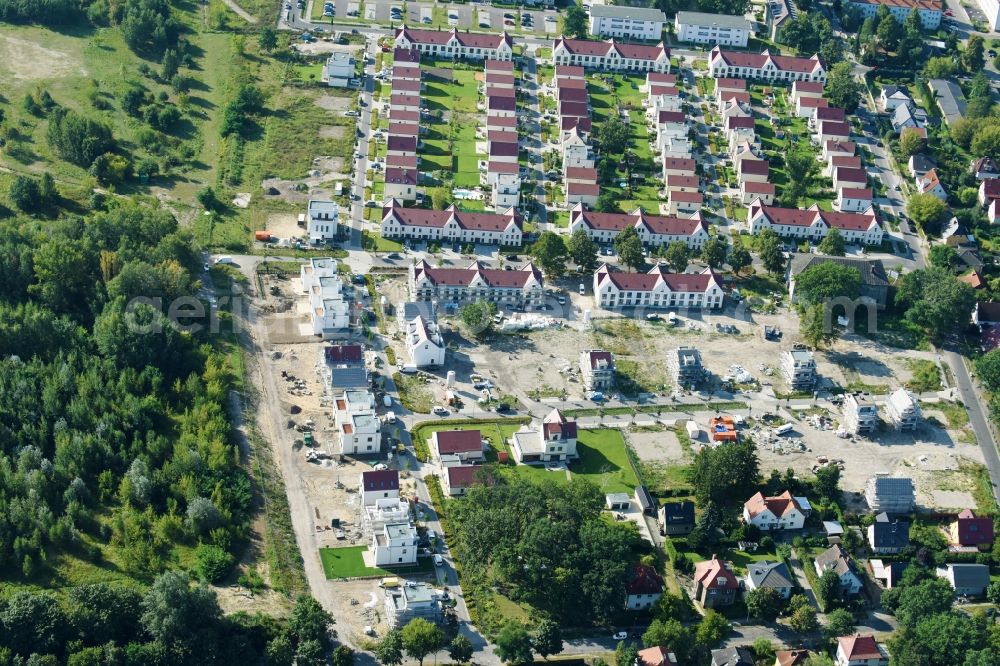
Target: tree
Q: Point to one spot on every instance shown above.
(770, 252)
(169, 64)
(176, 614)
(842, 89)
(268, 39)
(421, 638)
(973, 57)
(713, 252)
(478, 317)
(111, 169)
(993, 593)
(550, 253)
(827, 479)
(583, 250)
(986, 141)
(669, 632)
(943, 256)
(678, 255)
(889, 32)
(828, 588)
(440, 198)
(801, 168)
(833, 243)
(310, 621)
(763, 602)
(928, 211)
(547, 639)
(607, 203)
(613, 136)
(25, 194)
(763, 650)
(941, 67)
(935, 300)
(822, 282)
(721, 474)
(711, 630)
(804, 620)
(739, 258)
(911, 142)
(211, 562)
(76, 138)
(626, 654)
(628, 246)
(513, 645)
(389, 650)
(575, 22)
(459, 650)
(839, 622)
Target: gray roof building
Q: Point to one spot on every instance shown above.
(874, 281)
(949, 99)
(704, 18)
(967, 579)
(769, 574)
(734, 656)
(888, 536)
(626, 12)
(348, 378)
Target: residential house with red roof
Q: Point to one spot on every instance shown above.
(791, 657)
(802, 89)
(597, 369)
(854, 199)
(751, 170)
(658, 288)
(656, 656)
(715, 584)
(684, 203)
(764, 66)
(644, 587)
(457, 479)
(454, 286)
(404, 102)
(499, 67)
(457, 447)
(821, 113)
(814, 224)
(782, 512)
(401, 145)
(860, 650)
(837, 161)
(751, 191)
(653, 230)
(989, 190)
(832, 130)
(610, 55)
(837, 147)
(401, 184)
(503, 107)
(581, 186)
(554, 439)
(849, 177)
(805, 107)
(455, 44)
(451, 225)
(972, 530)
(378, 484)
(930, 183)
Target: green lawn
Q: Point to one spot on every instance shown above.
(603, 460)
(375, 242)
(348, 563)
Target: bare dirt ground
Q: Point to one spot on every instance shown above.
(284, 225)
(26, 60)
(332, 103)
(318, 183)
(332, 131)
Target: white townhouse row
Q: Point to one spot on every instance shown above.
(814, 224)
(659, 288)
(714, 29)
(929, 11)
(329, 311)
(610, 55)
(653, 230)
(451, 225)
(521, 287)
(626, 22)
(764, 66)
(455, 44)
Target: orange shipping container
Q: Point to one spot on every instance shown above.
(262, 235)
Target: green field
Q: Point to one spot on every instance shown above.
(449, 145)
(348, 562)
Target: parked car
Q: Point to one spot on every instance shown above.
(438, 560)
(440, 411)
(619, 635)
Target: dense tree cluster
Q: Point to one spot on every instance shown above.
(113, 439)
(935, 300)
(544, 544)
(172, 622)
(48, 12)
(77, 138)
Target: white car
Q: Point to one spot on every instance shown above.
(620, 635)
(440, 411)
(438, 560)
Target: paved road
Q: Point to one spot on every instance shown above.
(977, 416)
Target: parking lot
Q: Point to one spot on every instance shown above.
(438, 15)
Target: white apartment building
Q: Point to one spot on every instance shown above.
(339, 69)
(653, 230)
(360, 434)
(328, 307)
(991, 9)
(715, 29)
(455, 44)
(378, 485)
(453, 286)
(424, 343)
(764, 66)
(659, 288)
(610, 55)
(625, 22)
(322, 221)
(451, 225)
(929, 11)
(395, 545)
(813, 223)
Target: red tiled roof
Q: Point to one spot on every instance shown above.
(578, 109)
(714, 575)
(739, 122)
(403, 129)
(659, 89)
(497, 121)
(500, 91)
(932, 5)
(573, 84)
(405, 71)
(555, 422)
(573, 95)
(804, 218)
(756, 61)
(973, 531)
(401, 100)
(791, 657)
(506, 66)
(588, 47)
(656, 656)
(686, 197)
(812, 102)
(441, 37)
(401, 161)
(754, 167)
(401, 115)
(644, 580)
(730, 84)
(661, 77)
(501, 167)
(830, 113)
(856, 193)
(859, 647)
(405, 144)
(596, 356)
(405, 86)
(387, 479)
(344, 354)
(459, 441)
(582, 124)
(405, 55)
(757, 187)
(850, 175)
(569, 71)
(463, 277)
(501, 103)
(581, 173)
(686, 282)
(991, 188)
(778, 506)
(503, 149)
(678, 164)
(814, 87)
(674, 180)
(397, 176)
(498, 78)
(834, 128)
(421, 217)
(501, 135)
(583, 189)
(853, 161)
(665, 116)
(835, 146)
(462, 476)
